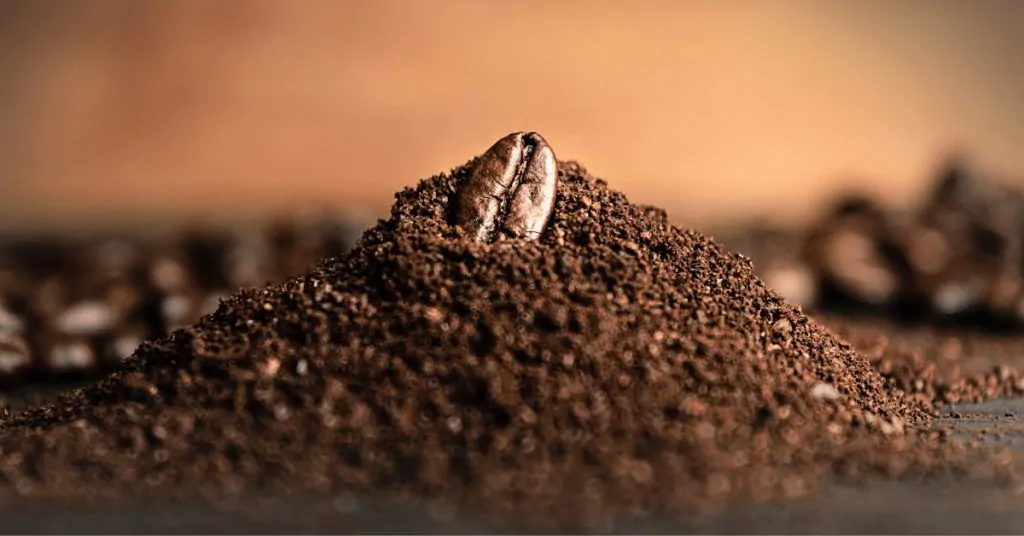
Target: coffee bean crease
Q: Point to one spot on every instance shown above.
(510, 191)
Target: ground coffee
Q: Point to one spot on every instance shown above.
(615, 366)
(938, 367)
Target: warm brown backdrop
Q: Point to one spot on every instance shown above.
(118, 109)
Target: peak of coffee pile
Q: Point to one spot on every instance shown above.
(614, 366)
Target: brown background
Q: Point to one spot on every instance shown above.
(111, 110)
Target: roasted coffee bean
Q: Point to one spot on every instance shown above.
(210, 302)
(167, 274)
(86, 318)
(15, 357)
(72, 356)
(179, 310)
(511, 190)
(794, 281)
(9, 321)
(122, 345)
(847, 249)
(928, 250)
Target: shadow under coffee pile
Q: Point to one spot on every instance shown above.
(617, 366)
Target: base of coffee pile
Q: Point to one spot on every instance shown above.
(977, 503)
(617, 374)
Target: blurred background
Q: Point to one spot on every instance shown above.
(118, 110)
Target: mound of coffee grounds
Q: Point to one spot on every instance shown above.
(616, 366)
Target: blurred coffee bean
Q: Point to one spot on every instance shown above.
(958, 296)
(851, 250)
(929, 251)
(86, 318)
(982, 223)
(122, 345)
(70, 356)
(9, 321)
(184, 309)
(167, 273)
(794, 281)
(15, 357)
(209, 303)
(178, 310)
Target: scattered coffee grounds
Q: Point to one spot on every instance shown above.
(938, 366)
(956, 259)
(617, 366)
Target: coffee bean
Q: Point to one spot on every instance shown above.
(9, 321)
(167, 274)
(210, 303)
(178, 310)
(15, 356)
(510, 191)
(929, 251)
(86, 318)
(121, 346)
(794, 281)
(958, 296)
(72, 356)
(849, 259)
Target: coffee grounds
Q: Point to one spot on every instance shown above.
(938, 367)
(617, 366)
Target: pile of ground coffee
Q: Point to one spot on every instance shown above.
(616, 366)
